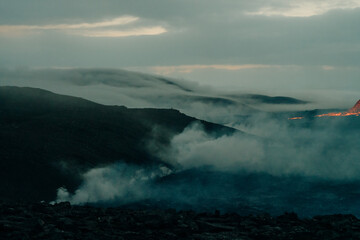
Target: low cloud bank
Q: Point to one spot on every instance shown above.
(326, 150)
(132, 89)
(281, 166)
(322, 148)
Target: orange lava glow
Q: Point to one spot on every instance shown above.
(340, 114)
(296, 118)
(354, 111)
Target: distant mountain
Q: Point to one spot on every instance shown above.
(354, 111)
(355, 108)
(264, 99)
(134, 89)
(47, 140)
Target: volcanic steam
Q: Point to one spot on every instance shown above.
(354, 111)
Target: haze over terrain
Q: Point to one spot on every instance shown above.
(131, 89)
(181, 104)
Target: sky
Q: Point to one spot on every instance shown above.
(274, 46)
(307, 49)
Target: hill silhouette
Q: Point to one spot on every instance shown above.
(47, 140)
(355, 108)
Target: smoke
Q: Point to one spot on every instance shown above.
(307, 167)
(255, 167)
(278, 149)
(194, 148)
(119, 183)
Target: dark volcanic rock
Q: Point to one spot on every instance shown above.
(47, 140)
(63, 221)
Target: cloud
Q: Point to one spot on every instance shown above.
(328, 68)
(325, 150)
(237, 172)
(138, 90)
(126, 33)
(194, 148)
(87, 29)
(132, 89)
(190, 68)
(304, 8)
(201, 33)
(108, 23)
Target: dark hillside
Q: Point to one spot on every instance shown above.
(47, 139)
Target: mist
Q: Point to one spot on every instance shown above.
(267, 148)
(278, 149)
(119, 182)
(195, 98)
(258, 169)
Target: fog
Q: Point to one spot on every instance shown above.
(261, 168)
(130, 89)
(278, 150)
(133, 89)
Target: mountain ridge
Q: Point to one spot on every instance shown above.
(355, 108)
(48, 140)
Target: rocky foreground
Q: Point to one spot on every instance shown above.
(63, 221)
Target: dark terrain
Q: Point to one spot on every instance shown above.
(48, 140)
(63, 221)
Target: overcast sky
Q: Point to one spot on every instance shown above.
(272, 46)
